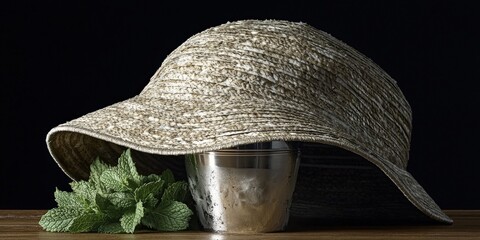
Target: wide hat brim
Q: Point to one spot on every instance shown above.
(177, 124)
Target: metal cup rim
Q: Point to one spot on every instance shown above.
(249, 152)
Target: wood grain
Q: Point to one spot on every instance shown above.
(23, 224)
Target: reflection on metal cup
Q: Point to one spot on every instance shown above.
(246, 189)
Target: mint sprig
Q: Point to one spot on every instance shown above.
(117, 199)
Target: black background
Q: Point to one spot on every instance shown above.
(61, 60)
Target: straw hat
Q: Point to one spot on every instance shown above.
(261, 80)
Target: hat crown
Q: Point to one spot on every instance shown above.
(281, 63)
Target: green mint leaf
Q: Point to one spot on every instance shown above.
(114, 180)
(150, 178)
(127, 167)
(132, 218)
(87, 222)
(111, 228)
(59, 219)
(96, 170)
(67, 199)
(148, 190)
(105, 206)
(133, 184)
(84, 190)
(151, 201)
(177, 191)
(167, 176)
(122, 200)
(168, 216)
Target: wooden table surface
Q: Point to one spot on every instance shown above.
(23, 224)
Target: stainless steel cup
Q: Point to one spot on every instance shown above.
(247, 189)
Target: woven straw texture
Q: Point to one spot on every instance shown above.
(253, 81)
